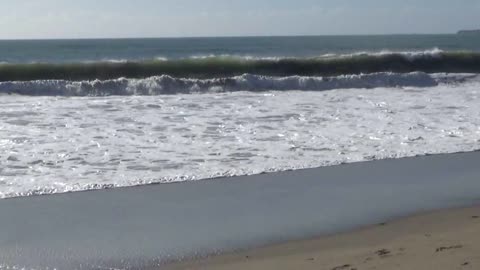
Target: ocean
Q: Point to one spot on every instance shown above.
(79, 115)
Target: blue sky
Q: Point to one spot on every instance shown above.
(167, 18)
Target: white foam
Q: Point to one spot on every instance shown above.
(116, 61)
(411, 55)
(61, 144)
(104, 60)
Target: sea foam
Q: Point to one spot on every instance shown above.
(63, 144)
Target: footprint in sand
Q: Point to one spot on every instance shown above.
(440, 249)
(343, 267)
(383, 252)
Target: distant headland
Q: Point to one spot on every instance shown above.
(469, 32)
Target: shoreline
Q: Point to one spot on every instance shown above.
(439, 239)
(235, 177)
(147, 227)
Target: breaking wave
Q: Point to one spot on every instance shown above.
(432, 61)
(166, 84)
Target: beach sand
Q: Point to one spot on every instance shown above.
(447, 239)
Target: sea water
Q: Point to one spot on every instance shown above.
(78, 115)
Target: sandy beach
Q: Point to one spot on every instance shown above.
(447, 239)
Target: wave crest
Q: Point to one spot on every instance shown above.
(433, 61)
(165, 84)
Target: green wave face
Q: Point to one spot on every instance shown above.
(215, 67)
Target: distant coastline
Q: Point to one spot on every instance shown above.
(469, 32)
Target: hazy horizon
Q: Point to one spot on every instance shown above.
(227, 36)
(103, 19)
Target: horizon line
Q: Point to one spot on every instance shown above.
(224, 36)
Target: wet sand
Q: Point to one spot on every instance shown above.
(149, 227)
(441, 240)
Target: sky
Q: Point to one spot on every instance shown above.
(41, 19)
